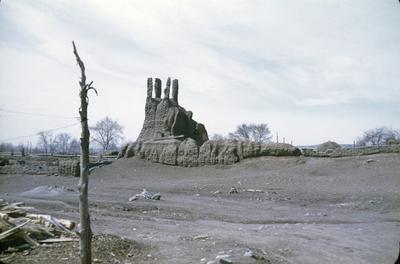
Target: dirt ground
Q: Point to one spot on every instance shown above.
(106, 249)
(287, 209)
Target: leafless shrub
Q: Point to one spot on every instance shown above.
(107, 133)
(252, 132)
(379, 136)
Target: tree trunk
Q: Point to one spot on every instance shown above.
(85, 232)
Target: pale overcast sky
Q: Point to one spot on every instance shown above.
(314, 70)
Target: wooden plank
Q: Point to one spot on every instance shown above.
(58, 240)
(13, 230)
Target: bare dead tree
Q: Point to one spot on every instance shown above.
(107, 133)
(217, 137)
(379, 136)
(62, 142)
(261, 133)
(252, 132)
(46, 141)
(86, 231)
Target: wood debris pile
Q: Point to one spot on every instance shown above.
(20, 230)
(146, 195)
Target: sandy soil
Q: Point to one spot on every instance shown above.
(310, 210)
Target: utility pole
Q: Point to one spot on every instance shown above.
(85, 232)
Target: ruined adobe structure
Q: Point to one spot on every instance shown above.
(171, 136)
(166, 119)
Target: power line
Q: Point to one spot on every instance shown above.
(34, 135)
(36, 114)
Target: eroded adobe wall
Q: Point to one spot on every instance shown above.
(165, 118)
(187, 153)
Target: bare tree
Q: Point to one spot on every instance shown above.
(86, 231)
(260, 133)
(378, 136)
(252, 132)
(6, 147)
(74, 147)
(46, 141)
(62, 142)
(107, 133)
(22, 149)
(217, 137)
(242, 132)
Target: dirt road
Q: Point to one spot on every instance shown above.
(289, 210)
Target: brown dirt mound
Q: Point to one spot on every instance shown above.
(329, 145)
